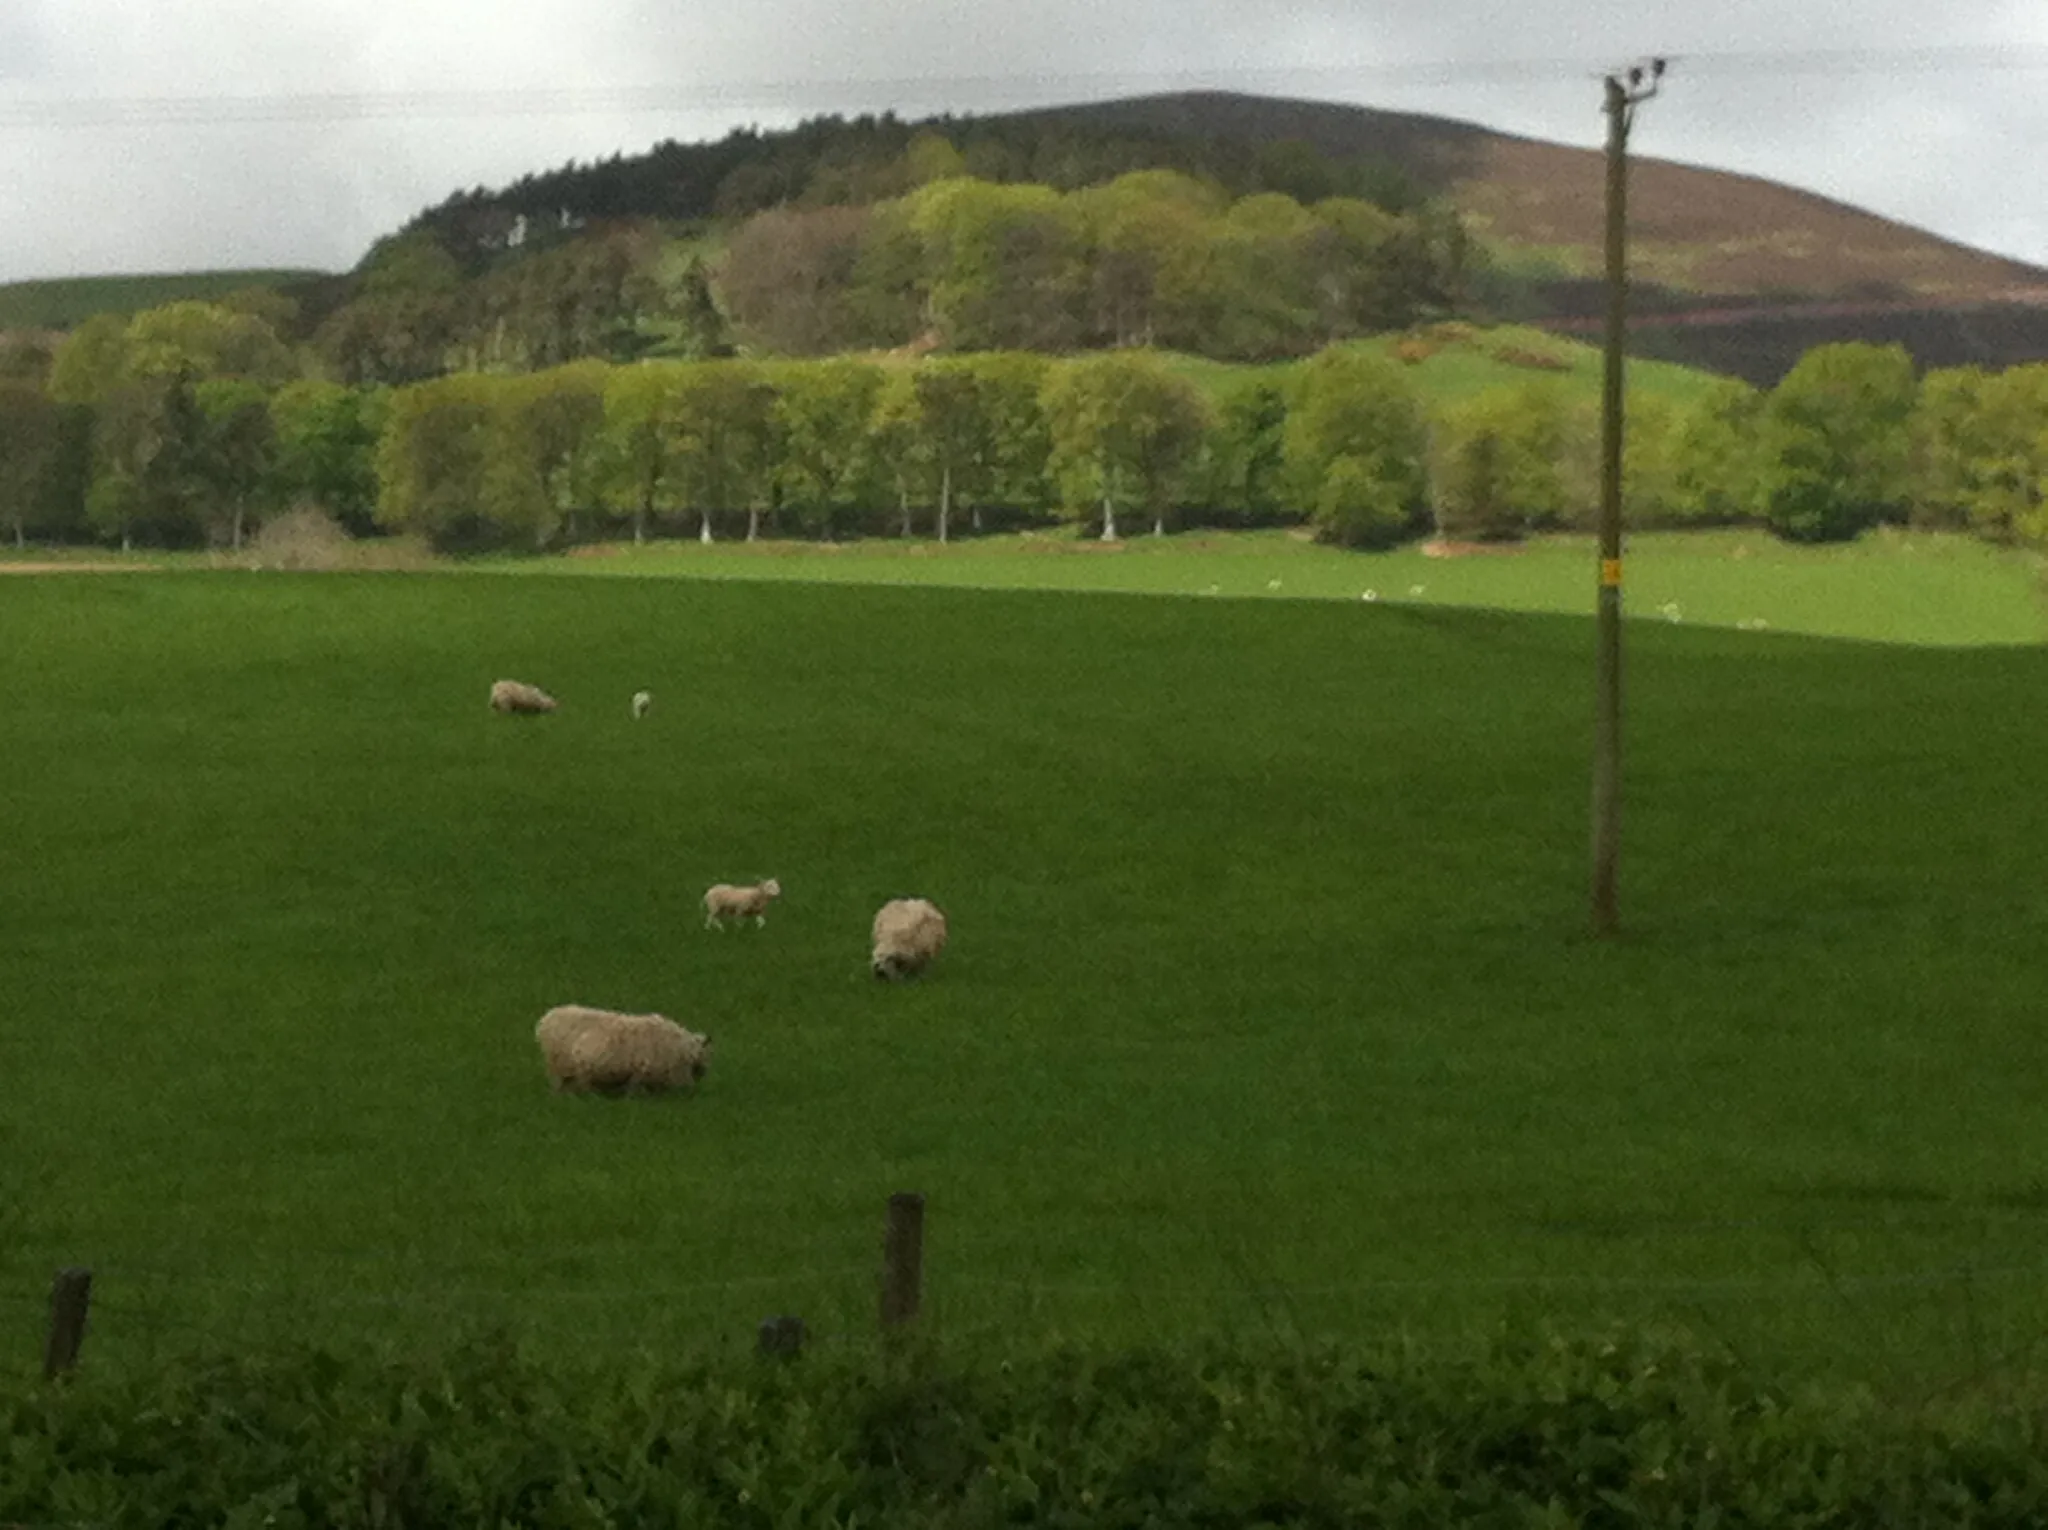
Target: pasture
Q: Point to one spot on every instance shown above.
(1891, 586)
(1268, 1008)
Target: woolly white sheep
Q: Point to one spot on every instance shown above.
(724, 899)
(601, 1051)
(642, 700)
(517, 696)
(909, 934)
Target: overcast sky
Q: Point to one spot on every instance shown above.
(163, 135)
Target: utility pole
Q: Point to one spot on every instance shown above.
(1624, 94)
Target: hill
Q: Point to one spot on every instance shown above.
(1731, 272)
(63, 302)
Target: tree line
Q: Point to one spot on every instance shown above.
(191, 424)
(956, 263)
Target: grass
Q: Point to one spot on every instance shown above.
(1889, 587)
(1268, 1007)
(62, 302)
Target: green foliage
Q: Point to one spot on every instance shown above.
(31, 456)
(1715, 456)
(826, 468)
(1837, 447)
(1355, 446)
(1638, 1429)
(1125, 431)
(237, 457)
(1980, 451)
(438, 446)
(1501, 466)
(327, 437)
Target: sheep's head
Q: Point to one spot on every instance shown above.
(888, 966)
(701, 1063)
(772, 888)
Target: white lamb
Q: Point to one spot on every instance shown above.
(601, 1051)
(724, 900)
(517, 696)
(909, 935)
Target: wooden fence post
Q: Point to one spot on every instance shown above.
(782, 1336)
(903, 1259)
(69, 1296)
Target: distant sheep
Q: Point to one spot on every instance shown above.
(642, 700)
(724, 900)
(909, 935)
(601, 1051)
(512, 696)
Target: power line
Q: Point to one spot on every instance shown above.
(67, 112)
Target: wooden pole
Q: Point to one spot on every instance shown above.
(69, 1297)
(902, 1260)
(1607, 639)
(1621, 101)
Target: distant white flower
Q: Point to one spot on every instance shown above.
(1370, 595)
(1272, 584)
(1670, 610)
(642, 700)
(1414, 590)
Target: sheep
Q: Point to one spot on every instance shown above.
(642, 700)
(512, 696)
(601, 1051)
(909, 934)
(740, 902)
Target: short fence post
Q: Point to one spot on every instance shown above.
(69, 1296)
(903, 1259)
(782, 1336)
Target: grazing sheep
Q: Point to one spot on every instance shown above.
(909, 934)
(600, 1051)
(740, 902)
(516, 696)
(642, 700)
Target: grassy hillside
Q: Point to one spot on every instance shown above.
(1268, 1008)
(63, 302)
(1897, 588)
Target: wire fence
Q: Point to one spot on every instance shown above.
(146, 1306)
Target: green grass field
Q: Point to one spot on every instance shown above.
(62, 302)
(1268, 1008)
(1889, 587)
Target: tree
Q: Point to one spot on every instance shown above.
(896, 434)
(433, 459)
(1980, 450)
(1124, 431)
(1836, 444)
(1147, 240)
(636, 464)
(1499, 467)
(549, 465)
(326, 438)
(787, 277)
(1247, 459)
(1002, 265)
(91, 361)
(1716, 451)
(954, 429)
(722, 423)
(146, 461)
(1354, 446)
(1009, 386)
(826, 465)
(236, 459)
(205, 340)
(31, 444)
